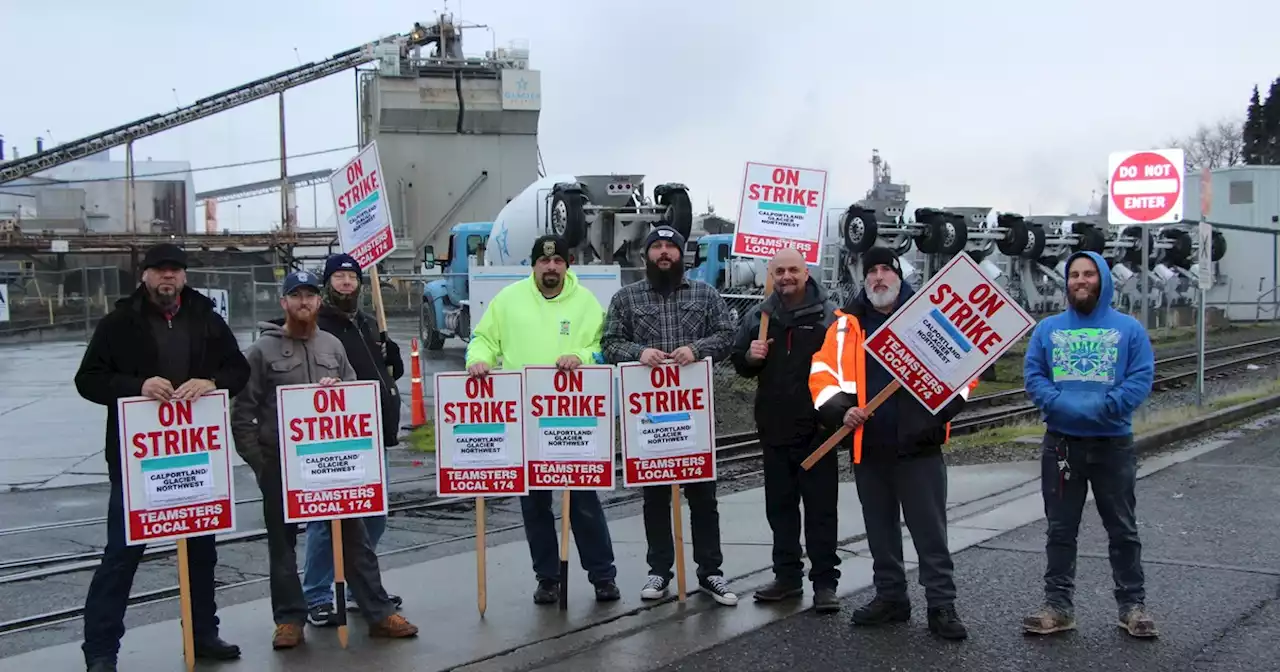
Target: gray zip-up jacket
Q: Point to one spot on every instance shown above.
(276, 359)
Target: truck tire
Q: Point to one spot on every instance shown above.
(568, 218)
(929, 241)
(431, 336)
(1016, 237)
(859, 229)
(1179, 254)
(1219, 249)
(1035, 242)
(679, 211)
(953, 235)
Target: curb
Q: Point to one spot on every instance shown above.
(1161, 438)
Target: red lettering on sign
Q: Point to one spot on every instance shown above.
(568, 381)
(480, 411)
(968, 319)
(327, 400)
(477, 388)
(567, 405)
(331, 427)
(361, 186)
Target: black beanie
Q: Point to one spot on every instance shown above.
(549, 246)
(664, 233)
(880, 255)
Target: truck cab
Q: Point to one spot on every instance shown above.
(446, 313)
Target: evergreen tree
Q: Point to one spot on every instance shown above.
(1253, 133)
(1271, 126)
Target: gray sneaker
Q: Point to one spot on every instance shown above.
(1048, 620)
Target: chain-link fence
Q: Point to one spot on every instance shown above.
(59, 305)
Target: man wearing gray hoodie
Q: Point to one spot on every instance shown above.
(294, 354)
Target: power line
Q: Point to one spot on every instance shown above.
(136, 176)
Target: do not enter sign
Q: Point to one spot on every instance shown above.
(1146, 187)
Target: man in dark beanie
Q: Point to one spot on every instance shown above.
(897, 452)
(374, 356)
(166, 342)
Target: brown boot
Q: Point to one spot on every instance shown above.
(1137, 622)
(393, 626)
(288, 635)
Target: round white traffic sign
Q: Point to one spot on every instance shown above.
(1146, 187)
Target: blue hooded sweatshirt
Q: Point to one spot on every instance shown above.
(1088, 373)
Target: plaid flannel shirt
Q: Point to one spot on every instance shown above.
(694, 315)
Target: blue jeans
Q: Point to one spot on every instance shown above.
(317, 575)
(1069, 465)
(590, 531)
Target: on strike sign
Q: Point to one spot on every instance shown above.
(480, 435)
(781, 207)
(1146, 186)
(331, 450)
(177, 468)
(954, 327)
(363, 209)
(668, 424)
(569, 427)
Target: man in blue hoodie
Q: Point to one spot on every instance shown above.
(1088, 369)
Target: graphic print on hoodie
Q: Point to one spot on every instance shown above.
(1088, 373)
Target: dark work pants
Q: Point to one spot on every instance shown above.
(786, 485)
(590, 532)
(918, 488)
(704, 519)
(288, 604)
(1111, 466)
(109, 591)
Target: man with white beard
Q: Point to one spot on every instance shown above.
(897, 453)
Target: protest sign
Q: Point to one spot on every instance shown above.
(480, 443)
(331, 451)
(668, 424)
(176, 464)
(569, 427)
(363, 209)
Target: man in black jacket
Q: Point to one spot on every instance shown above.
(788, 427)
(900, 467)
(165, 341)
(374, 357)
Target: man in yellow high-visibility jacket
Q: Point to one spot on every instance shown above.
(897, 453)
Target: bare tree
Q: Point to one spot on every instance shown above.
(1217, 145)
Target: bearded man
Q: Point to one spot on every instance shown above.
(299, 353)
(374, 357)
(897, 452)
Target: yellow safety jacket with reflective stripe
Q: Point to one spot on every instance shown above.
(841, 366)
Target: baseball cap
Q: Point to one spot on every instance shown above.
(164, 254)
(299, 279)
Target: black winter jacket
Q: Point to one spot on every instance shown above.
(784, 412)
(123, 354)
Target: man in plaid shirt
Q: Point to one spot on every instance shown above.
(669, 317)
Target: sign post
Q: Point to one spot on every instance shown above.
(1145, 188)
(1204, 264)
(331, 452)
(363, 210)
(668, 435)
(176, 462)
(781, 207)
(956, 326)
(569, 420)
(480, 446)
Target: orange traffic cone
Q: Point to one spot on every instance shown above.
(419, 407)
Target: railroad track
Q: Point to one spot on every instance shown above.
(730, 448)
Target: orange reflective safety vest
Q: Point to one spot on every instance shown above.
(841, 366)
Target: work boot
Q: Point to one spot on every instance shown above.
(779, 590)
(287, 636)
(102, 666)
(1048, 620)
(945, 623)
(824, 600)
(880, 611)
(216, 649)
(393, 627)
(548, 592)
(1137, 622)
(607, 591)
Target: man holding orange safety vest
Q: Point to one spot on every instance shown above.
(897, 453)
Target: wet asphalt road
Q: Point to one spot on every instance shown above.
(1212, 562)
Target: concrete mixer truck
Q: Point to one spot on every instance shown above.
(603, 218)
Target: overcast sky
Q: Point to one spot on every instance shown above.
(1003, 103)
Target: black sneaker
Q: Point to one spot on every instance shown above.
(216, 649)
(396, 600)
(778, 591)
(945, 623)
(718, 589)
(548, 592)
(322, 615)
(607, 591)
(655, 588)
(880, 611)
(824, 600)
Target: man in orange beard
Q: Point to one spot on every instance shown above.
(295, 352)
